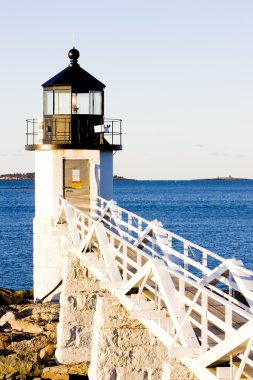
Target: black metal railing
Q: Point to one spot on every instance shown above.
(56, 131)
(60, 132)
(31, 131)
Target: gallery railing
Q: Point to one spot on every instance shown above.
(60, 131)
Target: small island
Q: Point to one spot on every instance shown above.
(17, 176)
(229, 178)
(120, 178)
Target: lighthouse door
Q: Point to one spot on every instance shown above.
(76, 182)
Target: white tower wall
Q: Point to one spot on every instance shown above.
(49, 246)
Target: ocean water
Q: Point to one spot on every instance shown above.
(16, 216)
(217, 215)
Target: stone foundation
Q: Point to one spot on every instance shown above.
(78, 304)
(122, 348)
(95, 327)
(174, 370)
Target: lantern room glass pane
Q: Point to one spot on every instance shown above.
(48, 102)
(80, 103)
(96, 103)
(62, 102)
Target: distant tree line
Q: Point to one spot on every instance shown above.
(22, 176)
(17, 176)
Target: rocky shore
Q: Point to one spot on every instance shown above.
(28, 340)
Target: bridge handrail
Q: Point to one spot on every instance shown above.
(172, 271)
(169, 233)
(204, 305)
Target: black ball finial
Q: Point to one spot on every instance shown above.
(73, 55)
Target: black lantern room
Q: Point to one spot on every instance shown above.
(73, 113)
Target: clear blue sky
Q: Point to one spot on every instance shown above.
(179, 73)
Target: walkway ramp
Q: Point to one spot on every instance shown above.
(198, 304)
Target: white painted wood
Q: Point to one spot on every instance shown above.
(147, 305)
(224, 373)
(111, 285)
(150, 314)
(107, 253)
(243, 280)
(234, 344)
(185, 318)
(173, 286)
(184, 352)
(85, 242)
(244, 359)
(136, 278)
(170, 296)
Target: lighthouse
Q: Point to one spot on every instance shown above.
(74, 145)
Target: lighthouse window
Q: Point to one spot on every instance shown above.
(87, 103)
(48, 102)
(95, 103)
(62, 102)
(80, 103)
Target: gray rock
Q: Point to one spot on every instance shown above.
(6, 318)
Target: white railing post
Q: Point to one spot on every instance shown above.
(139, 224)
(228, 321)
(124, 262)
(186, 250)
(204, 322)
(204, 261)
(181, 281)
(120, 214)
(169, 241)
(156, 295)
(139, 261)
(182, 293)
(129, 220)
(204, 304)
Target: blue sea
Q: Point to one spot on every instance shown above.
(215, 214)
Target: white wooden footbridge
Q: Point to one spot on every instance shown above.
(199, 305)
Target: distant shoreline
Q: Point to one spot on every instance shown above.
(224, 179)
(17, 176)
(31, 176)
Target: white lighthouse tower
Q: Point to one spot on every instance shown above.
(73, 146)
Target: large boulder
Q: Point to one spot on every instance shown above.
(15, 297)
(47, 353)
(66, 372)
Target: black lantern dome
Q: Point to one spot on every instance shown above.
(75, 76)
(73, 112)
